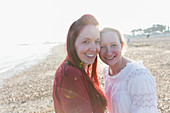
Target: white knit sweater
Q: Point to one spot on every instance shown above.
(132, 90)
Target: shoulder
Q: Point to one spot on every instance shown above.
(72, 78)
(141, 79)
(67, 72)
(72, 73)
(130, 69)
(70, 69)
(134, 67)
(140, 71)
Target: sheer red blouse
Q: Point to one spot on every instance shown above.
(71, 92)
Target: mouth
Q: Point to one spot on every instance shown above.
(90, 55)
(109, 58)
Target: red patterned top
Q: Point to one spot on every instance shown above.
(71, 92)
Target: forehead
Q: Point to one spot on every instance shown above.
(109, 37)
(89, 31)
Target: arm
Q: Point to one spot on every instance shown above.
(73, 94)
(142, 90)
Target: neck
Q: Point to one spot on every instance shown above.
(115, 69)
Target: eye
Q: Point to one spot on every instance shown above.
(113, 45)
(97, 42)
(85, 42)
(102, 47)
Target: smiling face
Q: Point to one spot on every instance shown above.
(110, 51)
(87, 44)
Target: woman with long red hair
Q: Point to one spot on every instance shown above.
(76, 86)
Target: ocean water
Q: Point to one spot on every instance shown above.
(17, 58)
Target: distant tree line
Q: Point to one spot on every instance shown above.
(154, 28)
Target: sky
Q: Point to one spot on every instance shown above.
(36, 21)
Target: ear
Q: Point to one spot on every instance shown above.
(121, 45)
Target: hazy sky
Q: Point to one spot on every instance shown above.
(35, 21)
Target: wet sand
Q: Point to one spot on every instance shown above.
(31, 90)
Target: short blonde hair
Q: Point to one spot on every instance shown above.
(121, 38)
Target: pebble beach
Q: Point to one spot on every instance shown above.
(31, 90)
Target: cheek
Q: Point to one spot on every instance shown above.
(81, 49)
(117, 49)
(98, 49)
(101, 54)
(77, 52)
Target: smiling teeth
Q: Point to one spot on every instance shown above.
(109, 58)
(89, 55)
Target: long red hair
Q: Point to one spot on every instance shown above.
(95, 93)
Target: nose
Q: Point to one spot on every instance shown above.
(94, 47)
(108, 51)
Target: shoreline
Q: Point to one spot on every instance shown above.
(31, 90)
(22, 58)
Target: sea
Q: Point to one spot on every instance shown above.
(16, 58)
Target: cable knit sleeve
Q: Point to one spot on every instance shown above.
(142, 90)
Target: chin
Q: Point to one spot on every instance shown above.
(109, 63)
(89, 62)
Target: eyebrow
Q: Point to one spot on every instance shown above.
(90, 38)
(109, 43)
